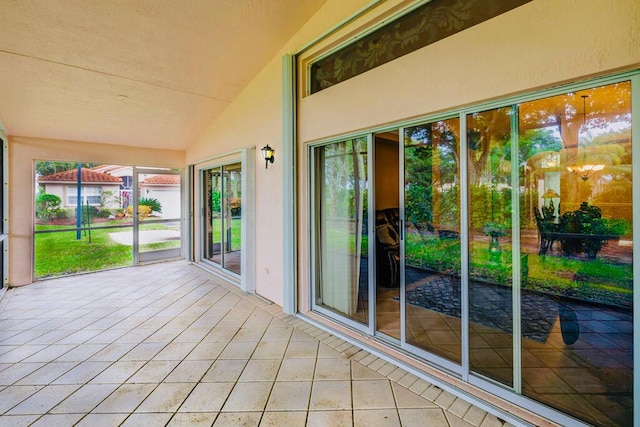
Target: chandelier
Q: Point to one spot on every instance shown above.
(584, 169)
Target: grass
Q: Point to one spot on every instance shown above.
(216, 231)
(596, 280)
(60, 253)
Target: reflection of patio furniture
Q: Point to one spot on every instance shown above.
(579, 231)
(387, 247)
(547, 230)
(583, 231)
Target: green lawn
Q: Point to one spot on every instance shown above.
(60, 253)
(216, 228)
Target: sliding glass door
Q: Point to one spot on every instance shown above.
(158, 225)
(432, 243)
(222, 208)
(495, 242)
(341, 225)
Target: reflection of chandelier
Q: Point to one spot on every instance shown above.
(583, 170)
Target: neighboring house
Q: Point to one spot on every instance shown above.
(164, 188)
(94, 185)
(125, 173)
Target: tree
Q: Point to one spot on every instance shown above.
(44, 168)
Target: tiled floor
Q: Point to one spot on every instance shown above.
(169, 344)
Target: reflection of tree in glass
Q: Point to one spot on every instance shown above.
(431, 170)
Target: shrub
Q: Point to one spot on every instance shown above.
(47, 206)
(154, 204)
(143, 211)
(235, 205)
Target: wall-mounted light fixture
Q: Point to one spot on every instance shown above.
(268, 154)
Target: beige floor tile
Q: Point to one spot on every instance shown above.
(93, 420)
(143, 351)
(376, 417)
(280, 419)
(18, 371)
(189, 371)
(207, 397)
(423, 417)
(359, 372)
(299, 335)
(225, 370)
(58, 420)
(289, 396)
(206, 351)
(277, 333)
(118, 372)
(125, 399)
(81, 353)
(12, 395)
(407, 399)
(85, 399)
(47, 374)
(475, 416)
(136, 420)
(329, 418)
(113, 352)
(249, 334)
(154, 371)
(143, 338)
(372, 394)
(330, 395)
(260, 370)
(221, 334)
(17, 420)
(302, 349)
(269, 350)
(82, 373)
(239, 419)
(193, 419)
(238, 350)
(175, 351)
(167, 397)
(49, 353)
(333, 369)
(455, 421)
(250, 396)
(45, 399)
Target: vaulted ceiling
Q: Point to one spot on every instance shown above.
(147, 73)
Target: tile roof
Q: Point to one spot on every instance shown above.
(162, 179)
(87, 176)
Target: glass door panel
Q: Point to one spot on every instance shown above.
(341, 232)
(222, 192)
(490, 292)
(576, 233)
(387, 202)
(159, 219)
(432, 243)
(212, 186)
(232, 214)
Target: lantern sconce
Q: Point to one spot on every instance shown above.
(268, 155)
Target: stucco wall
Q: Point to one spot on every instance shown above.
(540, 44)
(255, 119)
(24, 151)
(543, 43)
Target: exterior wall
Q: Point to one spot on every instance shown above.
(255, 119)
(23, 151)
(540, 44)
(166, 195)
(61, 191)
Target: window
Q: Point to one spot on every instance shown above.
(90, 194)
(513, 236)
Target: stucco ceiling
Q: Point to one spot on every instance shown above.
(147, 73)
